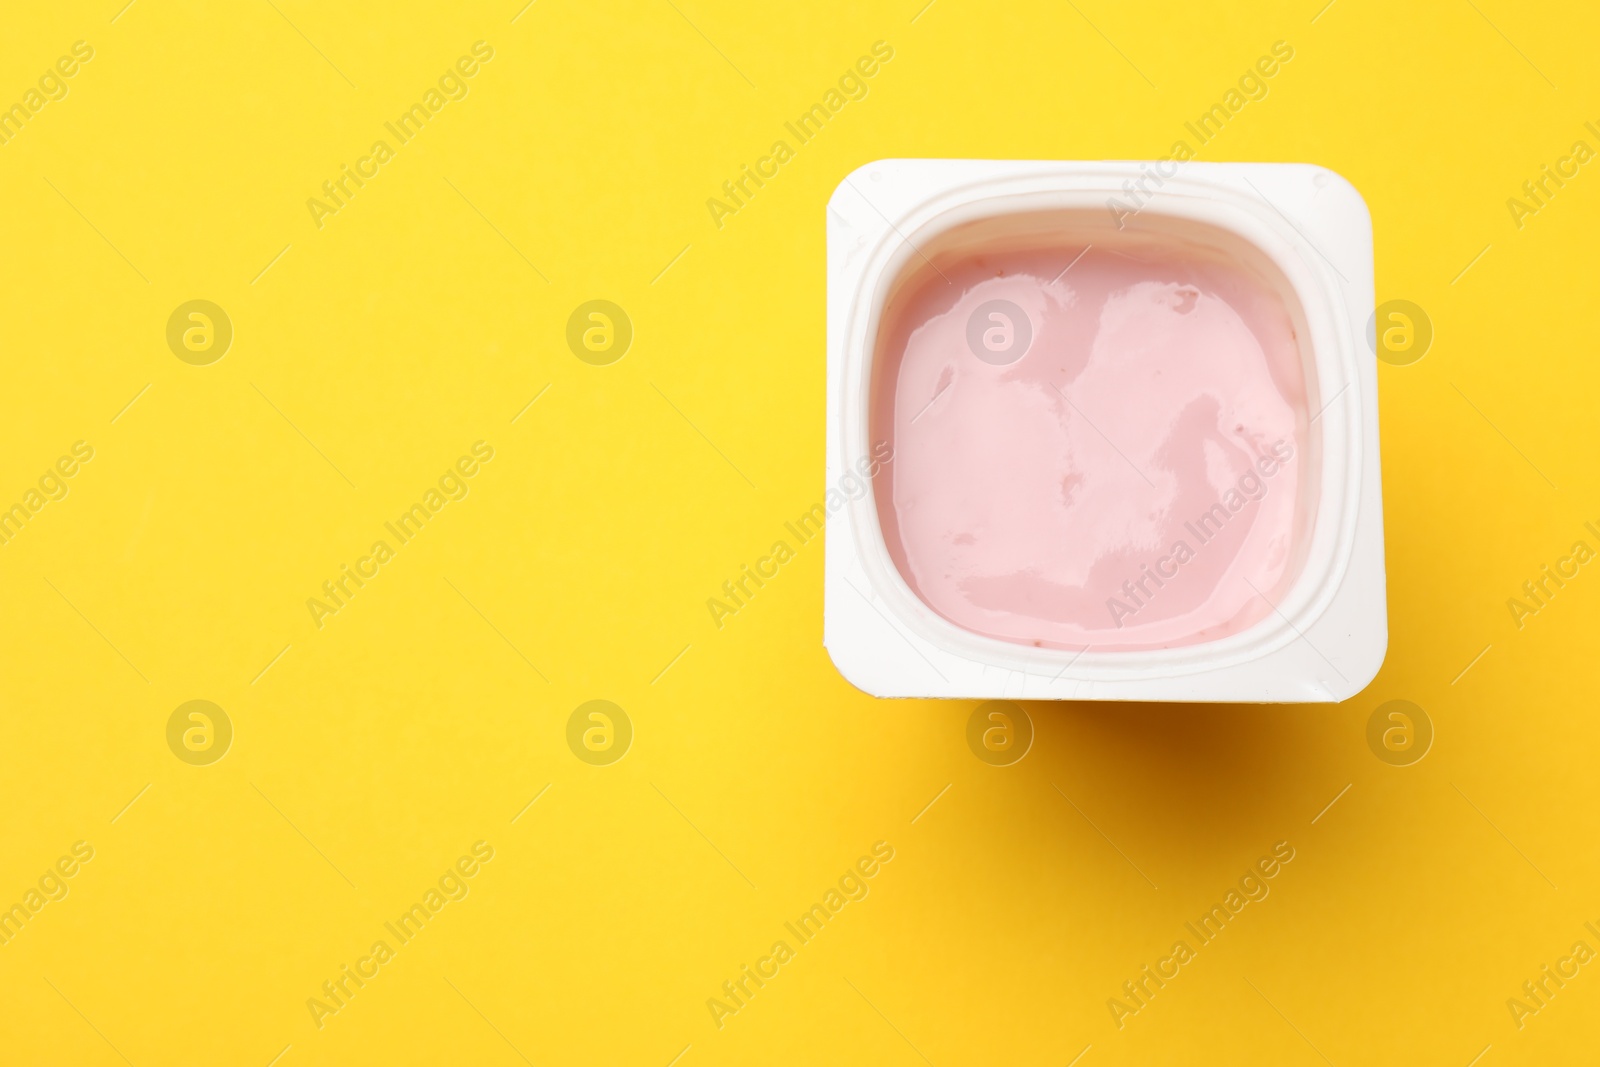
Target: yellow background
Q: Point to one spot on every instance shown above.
(376, 750)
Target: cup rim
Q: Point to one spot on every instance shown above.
(1331, 363)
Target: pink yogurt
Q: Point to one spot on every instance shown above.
(1130, 479)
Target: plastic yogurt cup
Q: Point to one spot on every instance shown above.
(1120, 424)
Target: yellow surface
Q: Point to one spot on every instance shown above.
(370, 754)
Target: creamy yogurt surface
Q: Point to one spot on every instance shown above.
(1091, 447)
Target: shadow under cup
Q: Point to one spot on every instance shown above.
(1100, 437)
